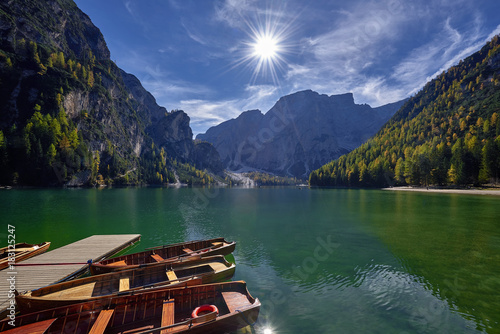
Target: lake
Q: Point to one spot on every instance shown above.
(319, 260)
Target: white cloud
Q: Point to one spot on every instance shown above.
(194, 35)
(128, 6)
(232, 12)
(494, 33)
(260, 97)
(356, 38)
(205, 113)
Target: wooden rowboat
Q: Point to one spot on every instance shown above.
(200, 271)
(166, 253)
(158, 311)
(19, 252)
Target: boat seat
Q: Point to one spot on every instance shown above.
(171, 275)
(187, 250)
(101, 322)
(39, 327)
(167, 315)
(157, 258)
(118, 263)
(124, 284)
(23, 249)
(234, 300)
(217, 244)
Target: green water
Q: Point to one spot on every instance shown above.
(320, 261)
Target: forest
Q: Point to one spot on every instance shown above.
(43, 146)
(447, 134)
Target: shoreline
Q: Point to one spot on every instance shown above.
(448, 191)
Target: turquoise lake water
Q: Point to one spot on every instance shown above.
(319, 260)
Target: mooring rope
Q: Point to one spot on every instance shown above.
(51, 264)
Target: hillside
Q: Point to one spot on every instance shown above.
(447, 134)
(301, 132)
(71, 116)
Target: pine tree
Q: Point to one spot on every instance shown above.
(51, 154)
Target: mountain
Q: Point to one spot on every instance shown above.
(70, 115)
(301, 132)
(448, 133)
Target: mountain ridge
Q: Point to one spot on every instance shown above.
(300, 132)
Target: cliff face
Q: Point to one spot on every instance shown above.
(301, 132)
(56, 23)
(66, 104)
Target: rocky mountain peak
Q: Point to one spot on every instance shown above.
(301, 131)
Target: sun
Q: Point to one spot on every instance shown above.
(266, 47)
(265, 53)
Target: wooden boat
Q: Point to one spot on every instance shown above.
(166, 253)
(207, 270)
(158, 311)
(21, 251)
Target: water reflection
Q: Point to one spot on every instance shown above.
(448, 240)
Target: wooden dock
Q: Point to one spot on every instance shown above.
(96, 247)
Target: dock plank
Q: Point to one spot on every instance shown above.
(95, 247)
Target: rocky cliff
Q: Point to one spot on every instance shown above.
(68, 109)
(301, 132)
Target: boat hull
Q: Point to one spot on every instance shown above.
(169, 253)
(23, 255)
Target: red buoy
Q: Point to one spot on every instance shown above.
(204, 308)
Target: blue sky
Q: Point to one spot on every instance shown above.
(200, 55)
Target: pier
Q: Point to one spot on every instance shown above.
(61, 264)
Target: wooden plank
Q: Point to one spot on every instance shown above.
(124, 284)
(23, 249)
(235, 300)
(171, 275)
(102, 322)
(34, 328)
(118, 263)
(157, 258)
(32, 277)
(187, 250)
(167, 316)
